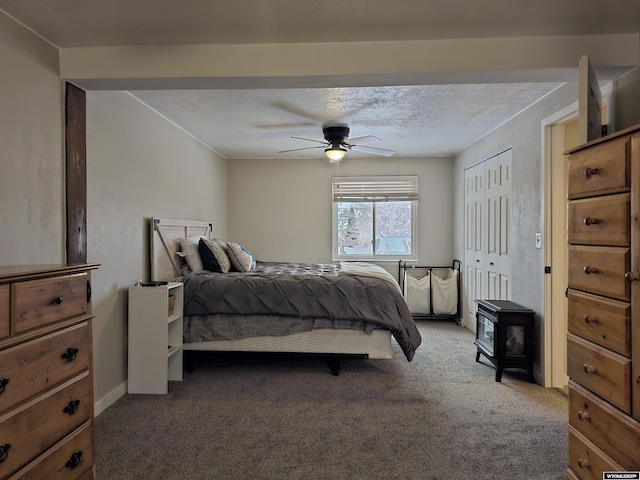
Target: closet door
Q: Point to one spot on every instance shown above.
(475, 220)
(498, 192)
(487, 233)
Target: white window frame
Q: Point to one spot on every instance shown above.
(375, 189)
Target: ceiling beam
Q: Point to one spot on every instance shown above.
(488, 60)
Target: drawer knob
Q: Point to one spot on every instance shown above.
(3, 384)
(70, 354)
(582, 463)
(590, 221)
(57, 301)
(583, 415)
(589, 368)
(589, 270)
(4, 451)
(75, 460)
(589, 172)
(72, 407)
(588, 319)
(631, 276)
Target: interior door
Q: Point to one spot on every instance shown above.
(493, 229)
(503, 218)
(474, 284)
(487, 233)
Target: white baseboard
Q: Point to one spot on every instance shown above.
(109, 399)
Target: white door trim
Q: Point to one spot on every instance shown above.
(553, 369)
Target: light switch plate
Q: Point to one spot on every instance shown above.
(538, 240)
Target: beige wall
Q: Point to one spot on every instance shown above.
(138, 166)
(627, 98)
(281, 209)
(524, 135)
(31, 149)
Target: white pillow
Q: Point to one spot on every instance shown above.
(416, 293)
(189, 251)
(240, 257)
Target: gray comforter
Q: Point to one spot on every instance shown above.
(307, 294)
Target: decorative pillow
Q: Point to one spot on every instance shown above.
(220, 243)
(240, 257)
(213, 256)
(189, 251)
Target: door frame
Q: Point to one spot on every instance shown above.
(554, 333)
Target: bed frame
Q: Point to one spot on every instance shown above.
(165, 265)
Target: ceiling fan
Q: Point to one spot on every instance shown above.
(336, 143)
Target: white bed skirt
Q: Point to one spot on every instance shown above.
(374, 345)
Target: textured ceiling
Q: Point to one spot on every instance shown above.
(412, 120)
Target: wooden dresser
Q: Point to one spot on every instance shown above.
(603, 341)
(46, 376)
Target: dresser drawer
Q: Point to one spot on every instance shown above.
(40, 424)
(39, 302)
(587, 460)
(601, 169)
(571, 475)
(600, 370)
(4, 311)
(34, 366)
(600, 221)
(600, 270)
(618, 435)
(70, 459)
(601, 320)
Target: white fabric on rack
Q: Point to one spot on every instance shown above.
(416, 293)
(445, 293)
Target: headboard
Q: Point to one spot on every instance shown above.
(164, 235)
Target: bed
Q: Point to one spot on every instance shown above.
(347, 309)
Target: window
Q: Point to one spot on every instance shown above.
(374, 218)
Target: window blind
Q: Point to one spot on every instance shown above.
(375, 189)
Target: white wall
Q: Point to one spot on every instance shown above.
(281, 209)
(138, 166)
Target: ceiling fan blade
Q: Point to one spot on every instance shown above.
(324, 142)
(365, 139)
(374, 151)
(309, 115)
(285, 126)
(298, 149)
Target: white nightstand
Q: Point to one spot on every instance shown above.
(155, 337)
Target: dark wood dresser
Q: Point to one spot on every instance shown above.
(46, 376)
(603, 339)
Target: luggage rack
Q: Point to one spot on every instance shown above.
(452, 287)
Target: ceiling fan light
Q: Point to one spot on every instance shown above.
(335, 154)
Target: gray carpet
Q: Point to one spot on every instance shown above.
(442, 416)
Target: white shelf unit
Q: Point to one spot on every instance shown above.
(155, 337)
